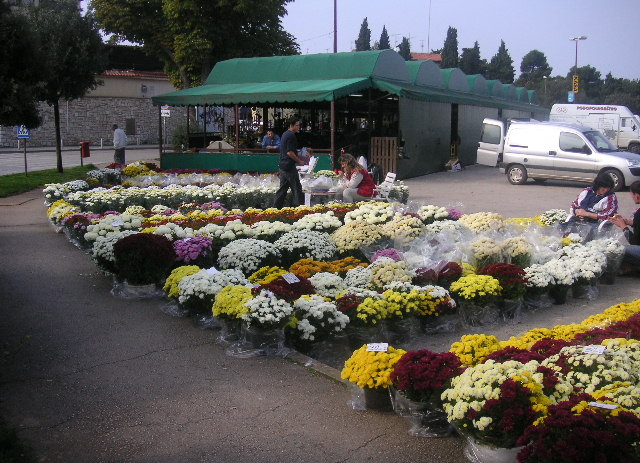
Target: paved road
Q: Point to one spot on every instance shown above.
(86, 377)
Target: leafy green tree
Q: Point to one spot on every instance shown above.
(450, 49)
(72, 55)
(384, 43)
(533, 68)
(363, 43)
(470, 62)
(20, 72)
(590, 89)
(190, 36)
(404, 49)
(501, 66)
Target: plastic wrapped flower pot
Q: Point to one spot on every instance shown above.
(143, 258)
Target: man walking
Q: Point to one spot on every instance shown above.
(119, 144)
(289, 177)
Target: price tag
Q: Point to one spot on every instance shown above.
(212, 271)
(378, 347)
(117, 223)
(596, 349)
(290, 278)
(601, 405)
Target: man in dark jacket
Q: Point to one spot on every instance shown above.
(289, 177)
(631, 228)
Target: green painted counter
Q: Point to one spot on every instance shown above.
(230, 161)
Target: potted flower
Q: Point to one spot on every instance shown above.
(513, 282)
(493, 403)
(370, 369)
(517, 250)
(476, 296)
(419, 378)
(562, 277)
(485, 251)
(248, 255)
(299, 244)
(197, 250)
(229, 307)
(143, 258)
(583, 429)
(538, 282)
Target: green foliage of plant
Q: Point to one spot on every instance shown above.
(14, 184)
(363, 42)
(449, 51)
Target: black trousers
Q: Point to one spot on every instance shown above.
(289, 179)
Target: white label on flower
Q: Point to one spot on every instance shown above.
(596, 349)
(601, 405)
(378, 347)
(290, 278)
(212, 271)
(117, 223)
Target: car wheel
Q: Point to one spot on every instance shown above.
(618, 179)
(517, 174)
(634, 148)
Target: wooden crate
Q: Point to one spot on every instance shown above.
(384, 152)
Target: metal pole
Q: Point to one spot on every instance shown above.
(25, 157)
(204, 131)
(237, 132)
(333, 103)
(160, 122)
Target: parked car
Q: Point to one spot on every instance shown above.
(553, 150)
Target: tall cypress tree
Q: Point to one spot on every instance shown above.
(470, 62)
(384, 43)
(450, 49)
(501, 66)
(404, 49)
(363, 43)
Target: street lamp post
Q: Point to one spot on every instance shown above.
(575, 69)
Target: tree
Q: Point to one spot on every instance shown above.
(450, 49)
(404, 49)
(384, 43)
(533, 68)
(501, 66)
(470, 62)
(190, 36)
(20, 72)
(73, 53)
(590, 87)
(363, 43)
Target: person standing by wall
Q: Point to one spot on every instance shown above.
(289, 177)
(119, 144)
(271, 141)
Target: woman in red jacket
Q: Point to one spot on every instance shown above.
(360, 184)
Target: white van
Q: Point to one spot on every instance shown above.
(552, 150)
(616, 122)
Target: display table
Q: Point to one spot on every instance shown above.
(263, 163)
(318, 197)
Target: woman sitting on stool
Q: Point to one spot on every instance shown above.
(593, 206)
(360, 184)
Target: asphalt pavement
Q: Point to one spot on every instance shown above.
(87, 377)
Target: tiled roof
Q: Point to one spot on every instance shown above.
(133, 73)
(426, 57)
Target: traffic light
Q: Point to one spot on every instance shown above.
(576, 84)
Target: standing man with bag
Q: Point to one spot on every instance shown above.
(119, 144)
(289, 177)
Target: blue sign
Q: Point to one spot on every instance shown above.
(570, 97)
(23, 132)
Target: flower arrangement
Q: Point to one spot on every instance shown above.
(424, 276)
(449, 273)
(267, 311)
(517, 250)
(583, 429)
(288, 291)
(316, 319)
(553, 217)
(359, 277)
(309, 267)
(174, 278)
(391, 253)
(445, 226)
(537, 278)
(371, 369)
(269, 231)
(327, 284)
(512, 279)
(370, 213)
(485, 251)
(300, 244)
(75, 225)
(102, 251)
(561, 274)
(472, 349)
(494, 403)
(355, 235)
(195, 251)
(423, 375)
(230, 302)
(113, 223)
(429, 214)
(388, 272)
(483, 222)
(325, 222)
(248, 255)
(266, 275)
(476, 289)
(586, 262)
(403, 228)
(143, 259)
(197, 292)
(59, 210)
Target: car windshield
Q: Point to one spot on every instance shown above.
(601, 143)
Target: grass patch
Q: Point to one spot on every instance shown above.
(14, 184)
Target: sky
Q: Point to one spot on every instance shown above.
(611, 28)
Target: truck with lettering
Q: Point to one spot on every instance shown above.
(617, 123)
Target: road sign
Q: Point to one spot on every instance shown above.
(576, 84)
(24, 132)
(570, 97)
(165, 113)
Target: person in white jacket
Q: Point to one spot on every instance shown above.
(119, 144)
